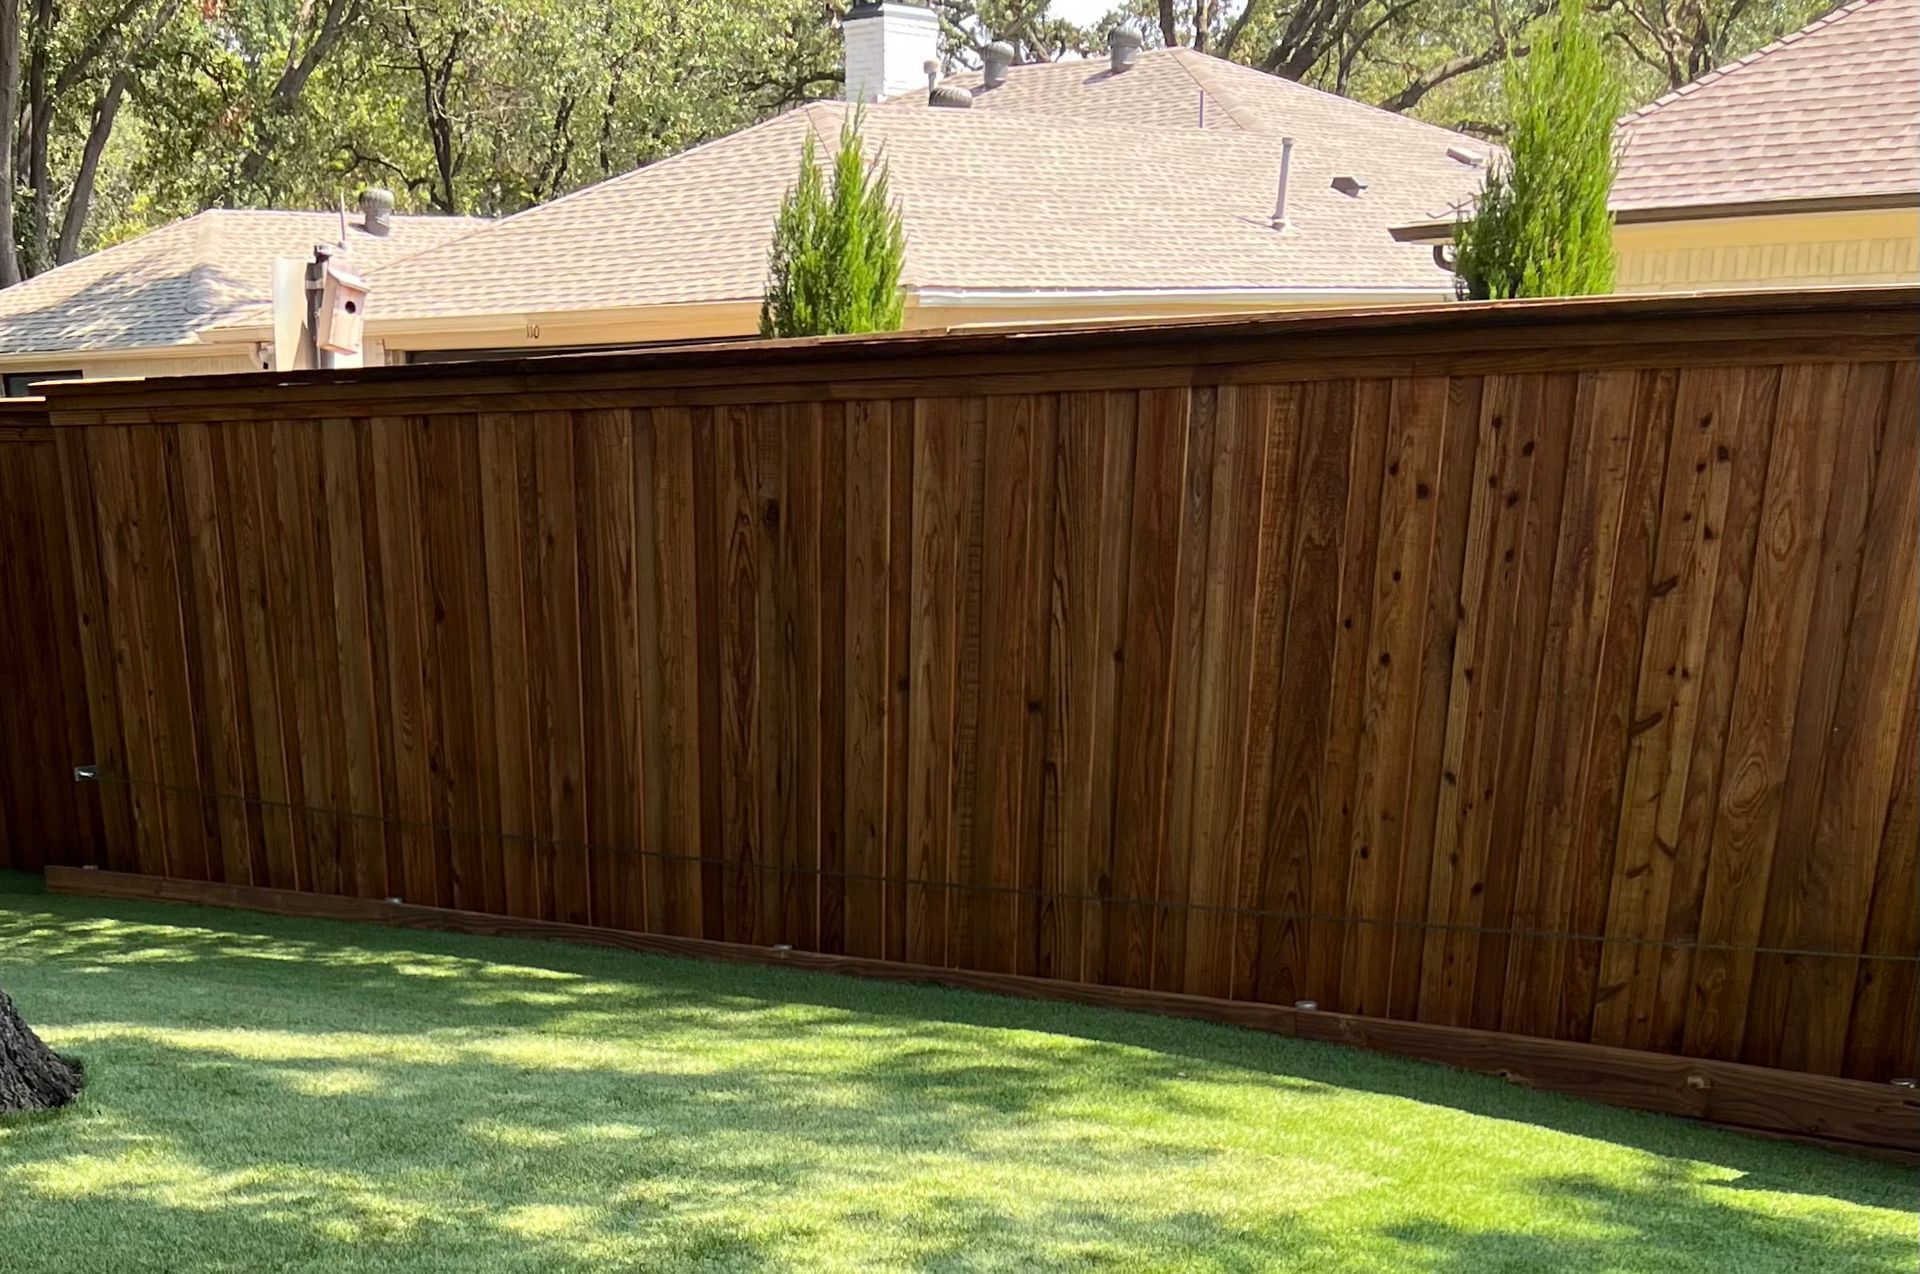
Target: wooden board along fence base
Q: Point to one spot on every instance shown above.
(1841, 1114)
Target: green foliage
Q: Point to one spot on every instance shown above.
(488, 106)
(835, 262)
(1541, 226)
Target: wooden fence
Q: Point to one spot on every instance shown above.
(1542, 668)
(44, 729)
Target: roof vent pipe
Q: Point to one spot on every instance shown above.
(1286, 164)
(1123, 48)
(376, 211)
(995, 59)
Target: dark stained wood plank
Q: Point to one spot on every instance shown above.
(801, 603)
(223, 686)
(1381, 857)
(1184, 687)
(1823, 877)
(1147, 651)
(1231, 610)
(1883, 1036)
(1719, 670)
(1119, 418)
(1303, 522)
(1760, 734)
(988, 939)
(552, 605)
(939, 539)
(656, 859)
(503, 444)
(673, 671)
(1452, 491)
(1091, 440)
(863, 542)
(610, 660)
(1031, 874)
(84, 526)
(866, 544)
(958, 884)
(1456, 886)
(407, 769)
(1333, 844)
(1542, 438)
(1602, 551)
(739, 564)
(123, 562)
(829, 886)
(901, 540)
(361, 695)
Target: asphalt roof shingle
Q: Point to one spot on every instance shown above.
(1066, 177)
(1833, 109)
(166, 286)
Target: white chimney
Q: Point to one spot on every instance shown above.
(887, 45)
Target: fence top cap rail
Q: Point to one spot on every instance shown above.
(1371, 330)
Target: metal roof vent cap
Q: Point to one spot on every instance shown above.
(995, 59)
(949, 95)
(376, 211)
(1123, 48)
(1352, 187)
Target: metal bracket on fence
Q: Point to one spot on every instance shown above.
(86, 774)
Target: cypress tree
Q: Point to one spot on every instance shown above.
(1541, 225)
(835, 261)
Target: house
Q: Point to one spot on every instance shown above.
(1159, 183)
(1797, 166)
(1144, 184)
(145, 307)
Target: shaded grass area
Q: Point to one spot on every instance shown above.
(278, 1094)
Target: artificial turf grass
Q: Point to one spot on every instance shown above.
(277, 1094)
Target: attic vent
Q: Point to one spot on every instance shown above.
(1352, 187)
(1461, 155)
(951, 95)
(376, 210)
(995, 59)
(1123, 48)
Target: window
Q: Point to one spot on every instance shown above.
(20, 384)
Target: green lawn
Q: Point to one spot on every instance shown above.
(270, 1094)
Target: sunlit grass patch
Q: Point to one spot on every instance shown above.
(268, 1094)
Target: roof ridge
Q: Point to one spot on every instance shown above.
(199, 294)
(1184, 58)
(631, 174)
(1719, 73)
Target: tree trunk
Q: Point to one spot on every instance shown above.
(32, 1076)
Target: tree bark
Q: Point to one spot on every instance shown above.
(9, 110)
(32, 1076)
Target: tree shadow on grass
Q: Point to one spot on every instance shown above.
(393, 1061)
(1657, 1222)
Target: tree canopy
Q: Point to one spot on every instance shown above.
(118, 115)
(834, 266)
(1541, 227)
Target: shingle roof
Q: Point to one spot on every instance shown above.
(165, 286)
(1066, 177)
(1833, 109)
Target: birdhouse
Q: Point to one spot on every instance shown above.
(343, 305)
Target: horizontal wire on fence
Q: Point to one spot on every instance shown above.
(551, 843)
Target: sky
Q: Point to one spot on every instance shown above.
(1082, 11)
(1088, 11)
